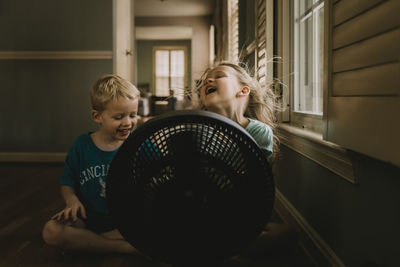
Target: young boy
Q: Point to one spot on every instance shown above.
(84, 224)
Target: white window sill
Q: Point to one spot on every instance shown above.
(312, 146)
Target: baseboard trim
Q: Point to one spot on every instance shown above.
(33, 157)
(310, 241)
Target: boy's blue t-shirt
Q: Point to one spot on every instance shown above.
(263, 135)
(86, 167)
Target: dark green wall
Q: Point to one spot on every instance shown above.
(359, 222)
(56, 25)
(44, 104)
(145, 58)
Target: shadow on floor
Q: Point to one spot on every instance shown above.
(31, 194)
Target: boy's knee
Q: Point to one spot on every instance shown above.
(53, 233)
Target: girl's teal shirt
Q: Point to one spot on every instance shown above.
(263, 135)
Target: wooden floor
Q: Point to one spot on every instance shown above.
(30, 195)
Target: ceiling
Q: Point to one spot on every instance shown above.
(163, 33)
(152, 8)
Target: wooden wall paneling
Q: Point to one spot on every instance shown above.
(366, 125)
(377, 50)
(377, 20)
(378, 80)
(345, 10)
(362, 78)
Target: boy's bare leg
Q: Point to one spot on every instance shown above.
(114, 234)
(71, 237)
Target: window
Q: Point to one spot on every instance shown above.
(170, 71)
(308, 42)
(299, 32)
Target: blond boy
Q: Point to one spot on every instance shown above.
(84, 224)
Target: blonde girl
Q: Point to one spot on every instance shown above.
(229, 90)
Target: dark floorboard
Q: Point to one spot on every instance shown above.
(30, 194)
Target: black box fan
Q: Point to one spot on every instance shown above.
(190, 185)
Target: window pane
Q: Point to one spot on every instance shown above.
(305, 5)
(162, 63)
(162, 72)
(320, 59)
(178, 73)
(308, 47)
(177, 63)
(306, 66)
(246, 23)
(177, 84)
(250, 61)
(162, 86)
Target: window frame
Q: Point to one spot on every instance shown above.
(169, 48)
(300, 131)
(301, 119)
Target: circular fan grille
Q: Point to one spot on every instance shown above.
(190, 185)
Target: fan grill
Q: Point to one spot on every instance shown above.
(190, 185)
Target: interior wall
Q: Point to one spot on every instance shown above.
(44, 104)
(359, 222)
(145, 59)
(200, 38)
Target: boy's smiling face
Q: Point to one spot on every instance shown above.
(118, 118)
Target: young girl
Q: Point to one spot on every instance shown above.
(228, 90)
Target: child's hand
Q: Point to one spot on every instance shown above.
(72, 209)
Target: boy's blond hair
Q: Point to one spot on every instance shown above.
(110, 87)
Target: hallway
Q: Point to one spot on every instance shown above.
(333, 69)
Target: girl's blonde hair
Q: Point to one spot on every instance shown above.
(262, 104)
(110, 87)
